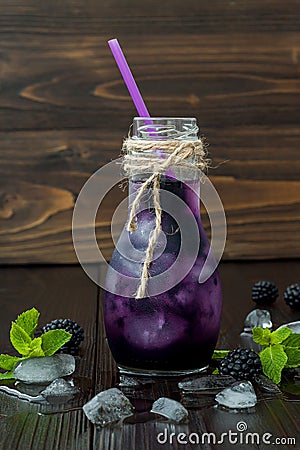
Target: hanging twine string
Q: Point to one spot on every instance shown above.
(144, 157)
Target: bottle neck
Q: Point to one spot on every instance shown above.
(162, 136)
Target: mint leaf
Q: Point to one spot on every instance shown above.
(280, 335)
(293, 355)
(261, 336)
(20, 339)
(28, 320)
(36, 353)
(8, 362)
(53, 340)
(220, 354)
(273, 360)
(6, 376)
(36, 348)
(292, 341)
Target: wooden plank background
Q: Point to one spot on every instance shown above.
(64, 112)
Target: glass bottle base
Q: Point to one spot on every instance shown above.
(160, 373)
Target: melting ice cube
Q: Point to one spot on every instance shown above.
(43, 370)
(108, 407)
(126, 381)
(266, 385)
(207, 383)
(200, 392)
(60, 388)
(294, 326)
(240, 395)
(247, 341)
(258, 318)
(171, 409)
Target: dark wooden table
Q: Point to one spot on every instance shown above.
(65, 291)
(65, 110)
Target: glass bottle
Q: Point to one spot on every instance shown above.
(173, 330)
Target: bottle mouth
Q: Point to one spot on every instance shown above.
(165, 118)
(165, 128)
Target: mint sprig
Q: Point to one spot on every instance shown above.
(280, 349)
(23, 340)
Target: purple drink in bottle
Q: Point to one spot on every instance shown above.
(174, 328)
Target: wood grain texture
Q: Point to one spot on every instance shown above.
(56, 293)
(64, 112)
(67, 292)
(280, 418)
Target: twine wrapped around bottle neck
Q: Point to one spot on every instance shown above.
(140, 156)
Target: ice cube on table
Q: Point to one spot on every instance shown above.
(108, 407)
(294, 326)
(258, 318)
(136, 387)
(60, 388)
(246, 340)
(266, 385)
(206, 383)
(240, 395)
(45, 369)
(171, 409)
(200, 392)
(130, 381)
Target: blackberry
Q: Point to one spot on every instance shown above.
(292, 296)
(241, 364)
(264, 292)
(70, 326)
